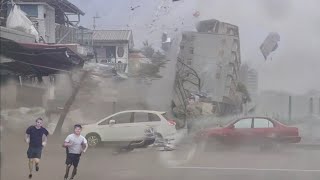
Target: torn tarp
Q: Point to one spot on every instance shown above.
(196, 14)
(37, 59)
(270, 44)
(18, 20)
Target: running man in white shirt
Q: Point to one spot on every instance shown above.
(75, 145)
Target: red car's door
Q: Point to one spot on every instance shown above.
(264, 129)
(240, 132)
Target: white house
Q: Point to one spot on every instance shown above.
(112, 46)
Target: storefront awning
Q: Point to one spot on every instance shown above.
(37, 59)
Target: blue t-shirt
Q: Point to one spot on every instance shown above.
(36, 136)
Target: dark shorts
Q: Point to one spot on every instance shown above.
(73, 159)
(34, 152)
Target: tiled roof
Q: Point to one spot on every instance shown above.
(112, 35)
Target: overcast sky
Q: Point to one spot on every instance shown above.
(293, 67)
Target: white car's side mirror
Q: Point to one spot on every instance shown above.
(112, 122)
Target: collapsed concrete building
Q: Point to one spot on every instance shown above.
(207, 70)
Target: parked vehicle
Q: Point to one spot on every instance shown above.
(130, 128)
(262, 131)
(118, 135)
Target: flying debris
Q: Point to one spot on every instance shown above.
(133, 8)
(196, 14)
(166, 41)
(270, 44)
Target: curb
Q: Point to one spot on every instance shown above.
(315, 146)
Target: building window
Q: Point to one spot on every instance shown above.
(31, 10)
(219, 69)
(230, 31)
(218, 75)
(235, 45)
(184, 37)
(234, 56)
(120, 52)
(191, 50)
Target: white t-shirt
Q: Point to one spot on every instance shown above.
(76, 143)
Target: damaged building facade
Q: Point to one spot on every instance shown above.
(207, 69)
(29, 64)
(249, 77)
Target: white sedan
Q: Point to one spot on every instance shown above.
(131, 126)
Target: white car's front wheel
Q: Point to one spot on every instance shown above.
(93, 139)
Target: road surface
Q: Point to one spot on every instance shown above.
(151, 164)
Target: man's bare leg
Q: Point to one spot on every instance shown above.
(37, 161)
(30, 168)
(67, 171)
(74, 172)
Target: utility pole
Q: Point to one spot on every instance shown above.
(311, 106)
(94, 20)
(290, 107)
(94, 27)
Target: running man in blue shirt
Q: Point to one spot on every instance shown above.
(36, 137)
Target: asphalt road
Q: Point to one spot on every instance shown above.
(101, 164)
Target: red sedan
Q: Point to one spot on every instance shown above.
(251, 130)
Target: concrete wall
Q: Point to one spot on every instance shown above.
(50, 25)
(278, 105)
(46, 20)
